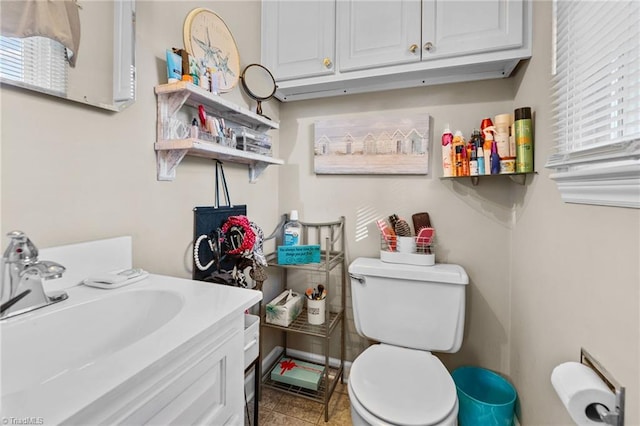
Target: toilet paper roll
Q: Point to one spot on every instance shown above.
(578, 386)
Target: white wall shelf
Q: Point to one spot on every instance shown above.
(170, 152)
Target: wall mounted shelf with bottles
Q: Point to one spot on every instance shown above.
(170, 151)
(519, 178)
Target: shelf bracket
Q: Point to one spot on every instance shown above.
(167, 161)
(519, 179)
(174, 101)
(255, 170)
(168, 105)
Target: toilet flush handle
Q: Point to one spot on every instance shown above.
(359, 278)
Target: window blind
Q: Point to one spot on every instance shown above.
(596, 95)
(34, 61)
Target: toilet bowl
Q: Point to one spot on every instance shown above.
(390, 385)
(410, 310)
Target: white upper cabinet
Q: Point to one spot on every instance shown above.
(377, 33)
(451, 28)
(327, 48)
(298, 38)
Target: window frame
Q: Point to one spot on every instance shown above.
(606, 174)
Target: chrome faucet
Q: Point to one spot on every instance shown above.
(21, 289)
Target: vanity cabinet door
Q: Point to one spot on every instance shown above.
(298, 38)
(458, 28)
(377, 33)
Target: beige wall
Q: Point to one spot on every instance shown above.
(546, 277)
(469, 220)
(576, 271)
(72, 173)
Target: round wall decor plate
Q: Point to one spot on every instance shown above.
(207, 37)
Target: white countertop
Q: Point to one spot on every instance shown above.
(59, 397)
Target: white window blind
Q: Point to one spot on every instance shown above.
(34, 61)
(596, 102)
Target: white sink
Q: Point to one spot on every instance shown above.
(47, 346)
(101, 354)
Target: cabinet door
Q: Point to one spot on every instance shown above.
(298, 38)
(377, 33)
(453, 28)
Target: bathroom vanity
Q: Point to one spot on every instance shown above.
(163, 350)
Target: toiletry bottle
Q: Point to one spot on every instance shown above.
(292, 230)
(524, 140)
(215, 81)
(472, 149)
(480, 160)
(486, 122)
(512, 139)
(465, 161)
(495, 159)
(194, 129)
(473, 164)
(486, 148)
(458, 161)
(502, 134)
(458, 146)
(447, 152)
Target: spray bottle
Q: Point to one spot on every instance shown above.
(486, 148)
(524, 140)
(447, 152)
(472, 151)
(465, 161)
(458, 146)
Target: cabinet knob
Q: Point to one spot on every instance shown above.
(428, 46)
(327, 63)
(413, 48)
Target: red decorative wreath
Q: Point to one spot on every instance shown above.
(249, 238)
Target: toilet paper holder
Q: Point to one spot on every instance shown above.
(599, 412)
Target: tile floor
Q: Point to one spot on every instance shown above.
(280, 409)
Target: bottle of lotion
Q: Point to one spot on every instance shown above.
(447, 152)
(503, 121)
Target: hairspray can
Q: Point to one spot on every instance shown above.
(524, 140)
(447, 153)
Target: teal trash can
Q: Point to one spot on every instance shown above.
(485, 398)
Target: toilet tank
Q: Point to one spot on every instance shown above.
(419, 307)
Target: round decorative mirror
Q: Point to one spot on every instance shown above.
(259, 84)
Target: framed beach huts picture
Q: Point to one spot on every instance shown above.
(373, 144)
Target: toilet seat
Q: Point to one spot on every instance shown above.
(403, 386)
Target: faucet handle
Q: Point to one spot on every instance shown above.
(17, 235)
(20, 248)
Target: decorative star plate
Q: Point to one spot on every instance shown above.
(207, 37)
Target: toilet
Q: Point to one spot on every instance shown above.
(410, 310)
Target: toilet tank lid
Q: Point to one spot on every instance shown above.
(439, 273)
